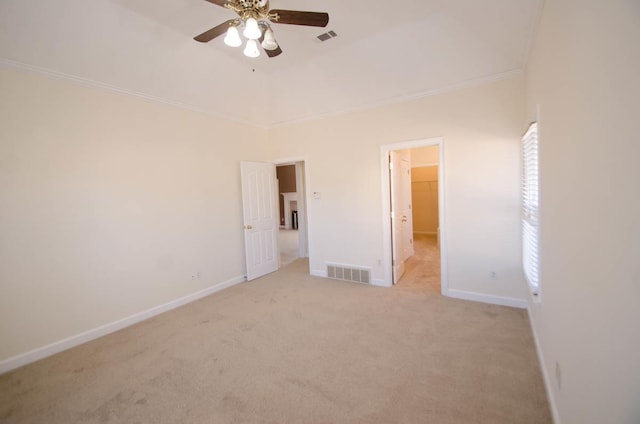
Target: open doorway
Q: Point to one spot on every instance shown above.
(413, 214)
(292, 234)
(422, 269)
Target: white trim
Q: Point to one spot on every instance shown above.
(386, 212)
(404, 98)
(85, 82)
(424, 165)
(378, 282)
(486, 298)
(319, 273)
(545, 375)
(302, 210)
(61, 345)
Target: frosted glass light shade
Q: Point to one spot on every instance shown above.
(251, 29)
(232, 38)
(251, 50)
(269, 42)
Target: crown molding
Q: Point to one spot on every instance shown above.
(406, 98)
(85, 82)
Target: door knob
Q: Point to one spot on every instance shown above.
(248, 227)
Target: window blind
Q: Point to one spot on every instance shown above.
(530, 208)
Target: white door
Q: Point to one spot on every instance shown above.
(260, 211)
(407, 207)
(401, 219)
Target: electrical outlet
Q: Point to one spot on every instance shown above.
(494, 275)
(558, 375)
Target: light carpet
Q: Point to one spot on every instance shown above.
(291, 348)
(422, 270)
(288, 245)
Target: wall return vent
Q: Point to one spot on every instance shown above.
(349, 273)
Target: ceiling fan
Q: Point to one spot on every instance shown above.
(255, 18)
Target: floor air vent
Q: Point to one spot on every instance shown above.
(349, 273)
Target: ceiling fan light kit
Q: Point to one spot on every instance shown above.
(232, 39)
(255, 17)
(269, 42)
(251, 50)
(251, 29)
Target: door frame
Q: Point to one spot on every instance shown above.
(304, 227)
(386, 206)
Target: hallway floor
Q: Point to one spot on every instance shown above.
(288, 243)
(423, 269)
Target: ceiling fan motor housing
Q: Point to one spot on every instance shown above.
(257, 9)
(258, 15)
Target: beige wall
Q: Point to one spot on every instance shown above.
(424, 198)
(481, 127)
(109, 204)
(422, 156)
(583, 73)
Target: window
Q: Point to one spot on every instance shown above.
(530, 208)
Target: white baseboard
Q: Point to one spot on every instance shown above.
(545, 375)
(486, 298)
(379, 283)
(319, 273)
(56, 347)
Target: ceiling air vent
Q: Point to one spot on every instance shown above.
(327, 36)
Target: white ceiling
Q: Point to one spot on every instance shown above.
(385, 51)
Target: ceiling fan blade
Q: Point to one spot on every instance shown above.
(294, 17)
(218, 2)
(213, 32)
